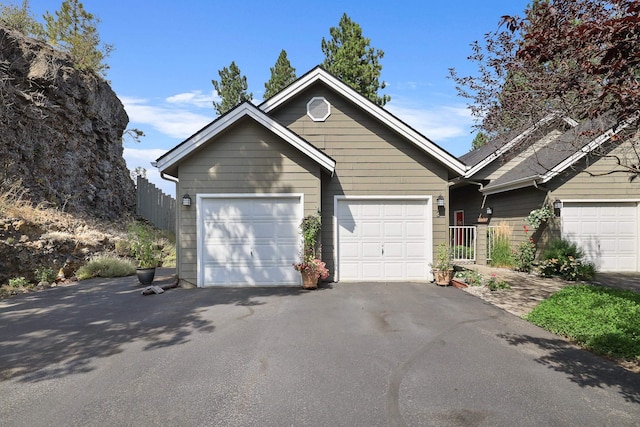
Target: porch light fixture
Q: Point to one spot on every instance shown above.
(186, 200)
(557, 205)
(440, 201)
(489, 211)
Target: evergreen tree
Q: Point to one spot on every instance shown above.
(232, 88)
(480, 140)
(74, 30)
(282, 74)
(349, 57)
(19, 18)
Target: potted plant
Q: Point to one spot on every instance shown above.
(443, 269)
(144, 249)
(311, 268)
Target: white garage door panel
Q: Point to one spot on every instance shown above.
(383, 240)
(250, 241)
(606, 232)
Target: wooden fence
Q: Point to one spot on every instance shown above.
(155, 206)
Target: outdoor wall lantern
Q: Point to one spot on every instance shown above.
(186, 200)
(557, 205)
(440, 201)
(489, 211)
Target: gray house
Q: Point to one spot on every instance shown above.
(549, 163)
(318, 146)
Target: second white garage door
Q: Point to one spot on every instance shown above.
(383, 240)
(606, 232)
(249, 240)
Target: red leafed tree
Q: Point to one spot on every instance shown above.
(580, 58)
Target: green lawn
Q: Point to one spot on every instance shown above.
(603, 320)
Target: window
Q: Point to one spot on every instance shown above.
(318, 109)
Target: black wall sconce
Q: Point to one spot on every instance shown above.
(186, 200)
(557, 206)
(489, 211)
(440, 201)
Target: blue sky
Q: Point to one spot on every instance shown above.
(167, 52)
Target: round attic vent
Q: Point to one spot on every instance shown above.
(318, 109)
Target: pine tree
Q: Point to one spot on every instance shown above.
(480, 140)
(232, 88)
(282, 74)
(74, 30)
(19, 18)
(350, 58)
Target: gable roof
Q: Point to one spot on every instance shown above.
(483, 156)
(245, 109)
(556, 156)
(318, 74)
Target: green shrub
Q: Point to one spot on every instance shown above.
(525, 255)
(563, 258)
(602, 319)
(45, 274)
(562, 249)
(106, 266)
(18, 282)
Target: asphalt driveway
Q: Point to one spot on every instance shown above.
(99, 353)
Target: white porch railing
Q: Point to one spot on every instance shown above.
(462, 241)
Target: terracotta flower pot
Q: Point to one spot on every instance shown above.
(443, 277)
(309, 279)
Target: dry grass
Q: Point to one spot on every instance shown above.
(56, 224)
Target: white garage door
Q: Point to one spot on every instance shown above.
(383, 240)
(249, 240)
(606, 232)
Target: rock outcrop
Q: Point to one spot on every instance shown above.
(61, 131)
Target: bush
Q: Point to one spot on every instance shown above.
(603, 320)
(106, 266)
(562, 249)
(494, 283)
(45, 274)
(563, 258)
(525, 255)
(18, 282)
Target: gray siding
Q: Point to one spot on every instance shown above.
(247, 158)
(370, 160)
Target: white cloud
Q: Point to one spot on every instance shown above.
(195, 98)
(437, 124)
(175, 122)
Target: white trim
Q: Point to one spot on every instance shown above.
(500, 151)
(200, 219)
(323, 118)
(338, 198)
(586, 150)
(419, 140)
(512, 185)
(217, 126)
(599, 200)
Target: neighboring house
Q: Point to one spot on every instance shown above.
(316, 146)
(550, 163)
